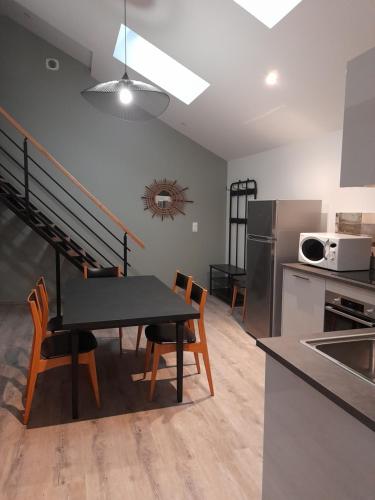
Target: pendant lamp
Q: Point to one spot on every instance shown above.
(130, 100)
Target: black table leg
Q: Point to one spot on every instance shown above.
(75, 342)
(210, 280)
(180, 358)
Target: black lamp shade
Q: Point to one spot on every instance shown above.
(147, 102)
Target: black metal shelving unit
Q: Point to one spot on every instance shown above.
(222, 275)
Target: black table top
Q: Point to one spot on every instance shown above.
(112, 302)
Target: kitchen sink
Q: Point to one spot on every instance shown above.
(355, 353)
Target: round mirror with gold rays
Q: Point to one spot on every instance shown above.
(165, 199)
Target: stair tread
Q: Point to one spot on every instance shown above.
(56, 239)
(25, 210)
(73, 253)
(11, 190)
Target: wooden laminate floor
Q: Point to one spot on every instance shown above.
(205, 448)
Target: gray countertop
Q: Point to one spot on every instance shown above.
(332, 275)
(351, 393)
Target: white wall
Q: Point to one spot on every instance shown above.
(305, 170)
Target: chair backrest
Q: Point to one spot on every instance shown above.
(36, 315)
(198, 295)
(183, 282)
(105, 272)
(42, 298)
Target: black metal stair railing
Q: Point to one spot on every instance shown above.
(16, 189)
(17, 180)
(27, 176)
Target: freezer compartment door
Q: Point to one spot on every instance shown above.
(261, 218)
(259, 305)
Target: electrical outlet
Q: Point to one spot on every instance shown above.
(195, 227)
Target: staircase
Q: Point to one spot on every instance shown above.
(78, 226)
(42, 225)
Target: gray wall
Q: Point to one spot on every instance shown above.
(114, 160)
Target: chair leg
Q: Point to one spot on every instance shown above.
(244, 304)
(93, 377)
(139, 334)
(196, 356)
(208, 371)
(120, 338)
(147, 357)
(30, 393)
(234, 298)
(155, 364)
(29, 369)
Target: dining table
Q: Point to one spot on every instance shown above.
(103, 303)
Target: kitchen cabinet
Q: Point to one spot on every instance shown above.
(302, 303)
(312, 448)
(358, 147)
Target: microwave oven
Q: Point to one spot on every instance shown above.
(335, 251)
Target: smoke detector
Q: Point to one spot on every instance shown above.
(52, 64)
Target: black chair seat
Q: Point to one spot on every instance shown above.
(59, 345)
(54, 324)
(240, 281)
(166, 333)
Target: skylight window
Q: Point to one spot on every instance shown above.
(269, 12)
(158, 67)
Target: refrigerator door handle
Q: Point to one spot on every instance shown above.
(260, 239)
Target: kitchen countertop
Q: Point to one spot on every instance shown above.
(332, 275)
(353, 394)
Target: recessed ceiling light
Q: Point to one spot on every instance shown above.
(160, 68)
(269, 12)
(272, 78)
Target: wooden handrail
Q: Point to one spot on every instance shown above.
(71, 177)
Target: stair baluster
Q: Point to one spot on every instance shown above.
(35, 216)
(26, 175)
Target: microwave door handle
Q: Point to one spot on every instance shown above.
(348, 316)
(326, 250)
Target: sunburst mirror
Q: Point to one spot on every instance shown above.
(165, 199)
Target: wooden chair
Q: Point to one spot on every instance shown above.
(51, 324)
(181, 282)
(105, 272)
(162, 338)
(239, 284)
(51, 351)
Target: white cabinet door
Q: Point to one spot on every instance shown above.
(303, 303)
(358, 146)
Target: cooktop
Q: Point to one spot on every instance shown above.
(367, 277)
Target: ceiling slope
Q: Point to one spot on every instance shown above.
(238, 114)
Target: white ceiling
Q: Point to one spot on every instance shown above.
(237, 115)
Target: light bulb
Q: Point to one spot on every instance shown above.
(272, 78)
(125, 96)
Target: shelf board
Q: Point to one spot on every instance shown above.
(228, 269)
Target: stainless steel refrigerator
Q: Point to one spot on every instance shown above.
(273, 229)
